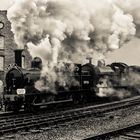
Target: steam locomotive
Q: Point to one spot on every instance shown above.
(95, 83)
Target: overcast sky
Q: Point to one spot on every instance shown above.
(130, 53)
(5, 4)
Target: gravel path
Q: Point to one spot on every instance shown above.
(84, 127)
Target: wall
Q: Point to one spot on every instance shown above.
(9, 45)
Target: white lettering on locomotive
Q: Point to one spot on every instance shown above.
(86, 82)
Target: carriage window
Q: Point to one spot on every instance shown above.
(1, 42)
(1, 63)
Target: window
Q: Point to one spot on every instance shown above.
(1, 63)
(23, 61)
(1, 42)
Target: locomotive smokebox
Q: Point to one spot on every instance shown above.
(18, 57)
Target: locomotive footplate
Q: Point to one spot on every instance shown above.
(53, 102)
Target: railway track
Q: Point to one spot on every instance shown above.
(26, 121)
(130, 132)
(131, 135)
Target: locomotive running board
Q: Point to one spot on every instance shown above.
(53, 102)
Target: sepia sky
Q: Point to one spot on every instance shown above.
(5, 4)
(129, 54)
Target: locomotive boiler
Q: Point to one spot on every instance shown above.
(94, 84)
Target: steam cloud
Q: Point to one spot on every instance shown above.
(126, 85)
(69, 30)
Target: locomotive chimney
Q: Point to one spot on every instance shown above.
(18, 57)
(90, 60)
(101, 63)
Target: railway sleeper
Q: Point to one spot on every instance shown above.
(44, 117)
(2, 120)
(26, 119)
(84, 114)
(46, 124)
(51, 122)
(22, 124)
(52, 119)
(37, 123)
(17, 122)
(29, 123)
(34, 120)
(5, 124)
(7, 127)
(12, 119)
(39, 117)
(6, 130)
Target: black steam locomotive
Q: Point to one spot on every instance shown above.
(95, 83)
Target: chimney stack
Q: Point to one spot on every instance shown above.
(101, 63)
(18, 57)
(90, 60)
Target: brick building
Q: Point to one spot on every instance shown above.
(8, 45)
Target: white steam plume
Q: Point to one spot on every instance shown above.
(132, 7)
(69, 30)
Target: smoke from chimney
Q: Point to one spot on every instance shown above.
(69, 30)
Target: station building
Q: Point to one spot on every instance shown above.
(8, 47)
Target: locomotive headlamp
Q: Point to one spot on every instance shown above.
(21, 91)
